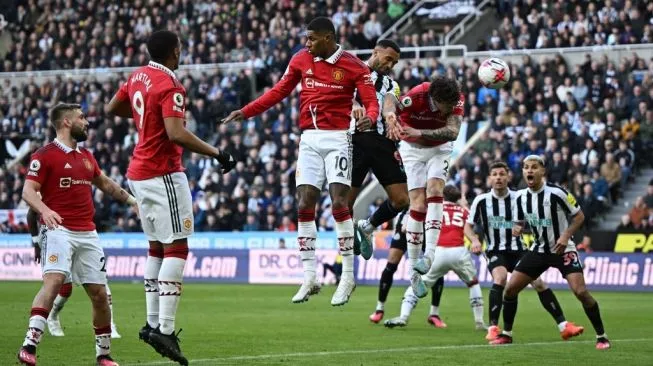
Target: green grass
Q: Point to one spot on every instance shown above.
(232, 324)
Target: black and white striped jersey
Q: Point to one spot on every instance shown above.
(383, 85)
(547, 212)
(496, 215)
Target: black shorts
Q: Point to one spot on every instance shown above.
(506, 259)
(534, 264)
(378, 153)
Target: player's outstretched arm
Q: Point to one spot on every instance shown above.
(447, 133)
(119, 107)
(111, 188)
(31, 196)
(178, 134)
(471, 235)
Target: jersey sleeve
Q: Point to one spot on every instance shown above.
(367, 93)
(38, 169)
(173, 103)
(281, 90)
(407, 102)
(96, 167)
(459, 109)
(569, 203)
(473, 214)
(123, 92)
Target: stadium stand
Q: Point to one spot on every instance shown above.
(536, 24)
(593, 121)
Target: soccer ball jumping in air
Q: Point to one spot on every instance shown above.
(494, 73)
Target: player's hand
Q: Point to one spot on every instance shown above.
(410, 132)
(358, 113)
(236, 116)
(476, 247)
(51, 219)
(37, 254)
(517, 229)
(364, 124)
(561, 244)
(226, 161)
(135, 207)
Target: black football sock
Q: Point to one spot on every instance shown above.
(551, 304)
(384, 213)
(496, 302)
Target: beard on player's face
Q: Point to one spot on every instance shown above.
(79, 132)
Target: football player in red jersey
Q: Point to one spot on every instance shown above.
(63, 174)
(156, 99)
(430, 116)
(66, 290)
(450, 255)
(329, 76)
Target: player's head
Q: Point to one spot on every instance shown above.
(534, 170)
(451, 193)
(499, 175)
(320, 37)
(445, 93)
(70, 117)
(385, 56)
(164, 48)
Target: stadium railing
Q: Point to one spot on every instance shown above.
(468, 22)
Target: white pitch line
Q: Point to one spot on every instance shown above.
(384, 350)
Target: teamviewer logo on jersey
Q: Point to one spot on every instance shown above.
(65, 182)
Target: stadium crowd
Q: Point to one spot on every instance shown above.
(547, 24)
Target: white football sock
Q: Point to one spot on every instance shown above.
(380, 306)
(170, 278)
(476, 301)
(562, 325)
(102, 341)
(408, 303)
(433, 225)
(306, 233)
(36, 327)
(435, 310)
(345, 234)
(152, 267)
(414, 236)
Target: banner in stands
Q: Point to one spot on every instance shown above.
(621, 242)
(603, 271)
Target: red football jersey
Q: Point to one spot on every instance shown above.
(454, 218)
(327, 92)
(419, 111)
(66, 177)
(154, 94)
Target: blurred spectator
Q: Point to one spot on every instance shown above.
(639, 213)
(611, 171)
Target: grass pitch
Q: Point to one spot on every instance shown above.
(258, 325)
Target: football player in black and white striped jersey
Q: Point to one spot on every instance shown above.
(494, 211)
(554, 216)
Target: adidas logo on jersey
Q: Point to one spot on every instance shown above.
(309, 72)
(340, 175)
(67, 166)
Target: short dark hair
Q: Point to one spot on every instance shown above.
(499, 165)
(388, 43)
(162, 44)
(58, 111)
(451, 193)
(322, 25)
(444, 90)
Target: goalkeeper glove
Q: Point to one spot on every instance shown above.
(226, 161)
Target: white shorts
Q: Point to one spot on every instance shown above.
(422, 163)
(455, 259)
(324, 155)
(166, 207)
(76, 254)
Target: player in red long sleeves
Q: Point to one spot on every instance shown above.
(156, 99)
(63, 174)
(329, 76)
(431, 115)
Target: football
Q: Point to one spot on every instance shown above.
(494, 73)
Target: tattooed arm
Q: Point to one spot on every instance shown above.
(447, 133)
(111, 188)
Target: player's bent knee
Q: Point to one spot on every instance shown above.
(97, 294)
(400, 203)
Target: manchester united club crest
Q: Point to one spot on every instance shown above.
(338, 74)
(53, 258)
(188, 224)
(88, 165)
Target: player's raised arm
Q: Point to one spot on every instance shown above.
(119, 104)
(279, 92)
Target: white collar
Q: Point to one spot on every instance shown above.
(64, 147)
(538, 191)
(333, 58)
(158, 66)
(494, 194)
